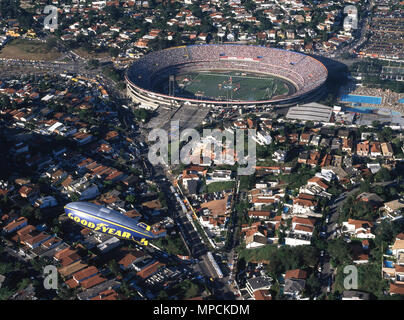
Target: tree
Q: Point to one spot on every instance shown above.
(163, 295)
(93, 63)
(74, 197)
(339, 251)
(114, 267)
(27, 211)
(5, 293)
(313, 285)
(130, 198)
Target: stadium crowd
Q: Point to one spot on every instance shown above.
(304, 72)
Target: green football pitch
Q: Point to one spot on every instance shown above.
(229, 85)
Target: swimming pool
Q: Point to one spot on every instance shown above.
(401, 100)
(388, 264)
(360, 99)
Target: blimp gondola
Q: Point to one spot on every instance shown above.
(105, 220)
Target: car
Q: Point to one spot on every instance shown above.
(320, 269)
(322, 253)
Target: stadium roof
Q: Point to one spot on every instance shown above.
(310, 112)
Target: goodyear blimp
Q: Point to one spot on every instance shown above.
(104, 220)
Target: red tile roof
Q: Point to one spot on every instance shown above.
(149, 270)
(93, 281)
(296, 274)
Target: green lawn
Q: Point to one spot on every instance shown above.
(230, 85)
(219, 186)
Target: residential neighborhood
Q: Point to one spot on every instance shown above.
(306, 94)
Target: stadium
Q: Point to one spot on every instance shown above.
(225, 74)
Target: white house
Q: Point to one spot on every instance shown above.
(359, 228)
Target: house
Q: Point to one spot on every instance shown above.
(259, 214)
(29, 191)
(313, 158)
(262, 295)
(303, 157)
(362, 149)
(305, 138)
(398, 250)
(107, 295)
(255, 241)
(295, 282)
(387, 150)
(82, 275)
(303, 225)
(375, 150)
(279, 156)
(359, 254)
(359, 228)
(150, 270)
(304, 204)
(263, 138)
(396, 289)
(347, 145)
(66, 256)
(219, 176)
(372, 198)
(93, 281)
(15, 225)
(301, 231)
(394, 207)
(315, 140)
(129, 259)
(35, 240)
(67, 271)
(318, 182)
(258, 283)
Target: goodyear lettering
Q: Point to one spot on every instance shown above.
(101, 227)
(126, 235)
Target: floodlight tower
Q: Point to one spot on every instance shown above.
(171, 85)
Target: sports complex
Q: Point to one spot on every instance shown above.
(225, 74)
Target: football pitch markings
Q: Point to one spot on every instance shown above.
(241, 87)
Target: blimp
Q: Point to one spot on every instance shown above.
(105, 220)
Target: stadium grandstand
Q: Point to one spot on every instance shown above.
(236, 74)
